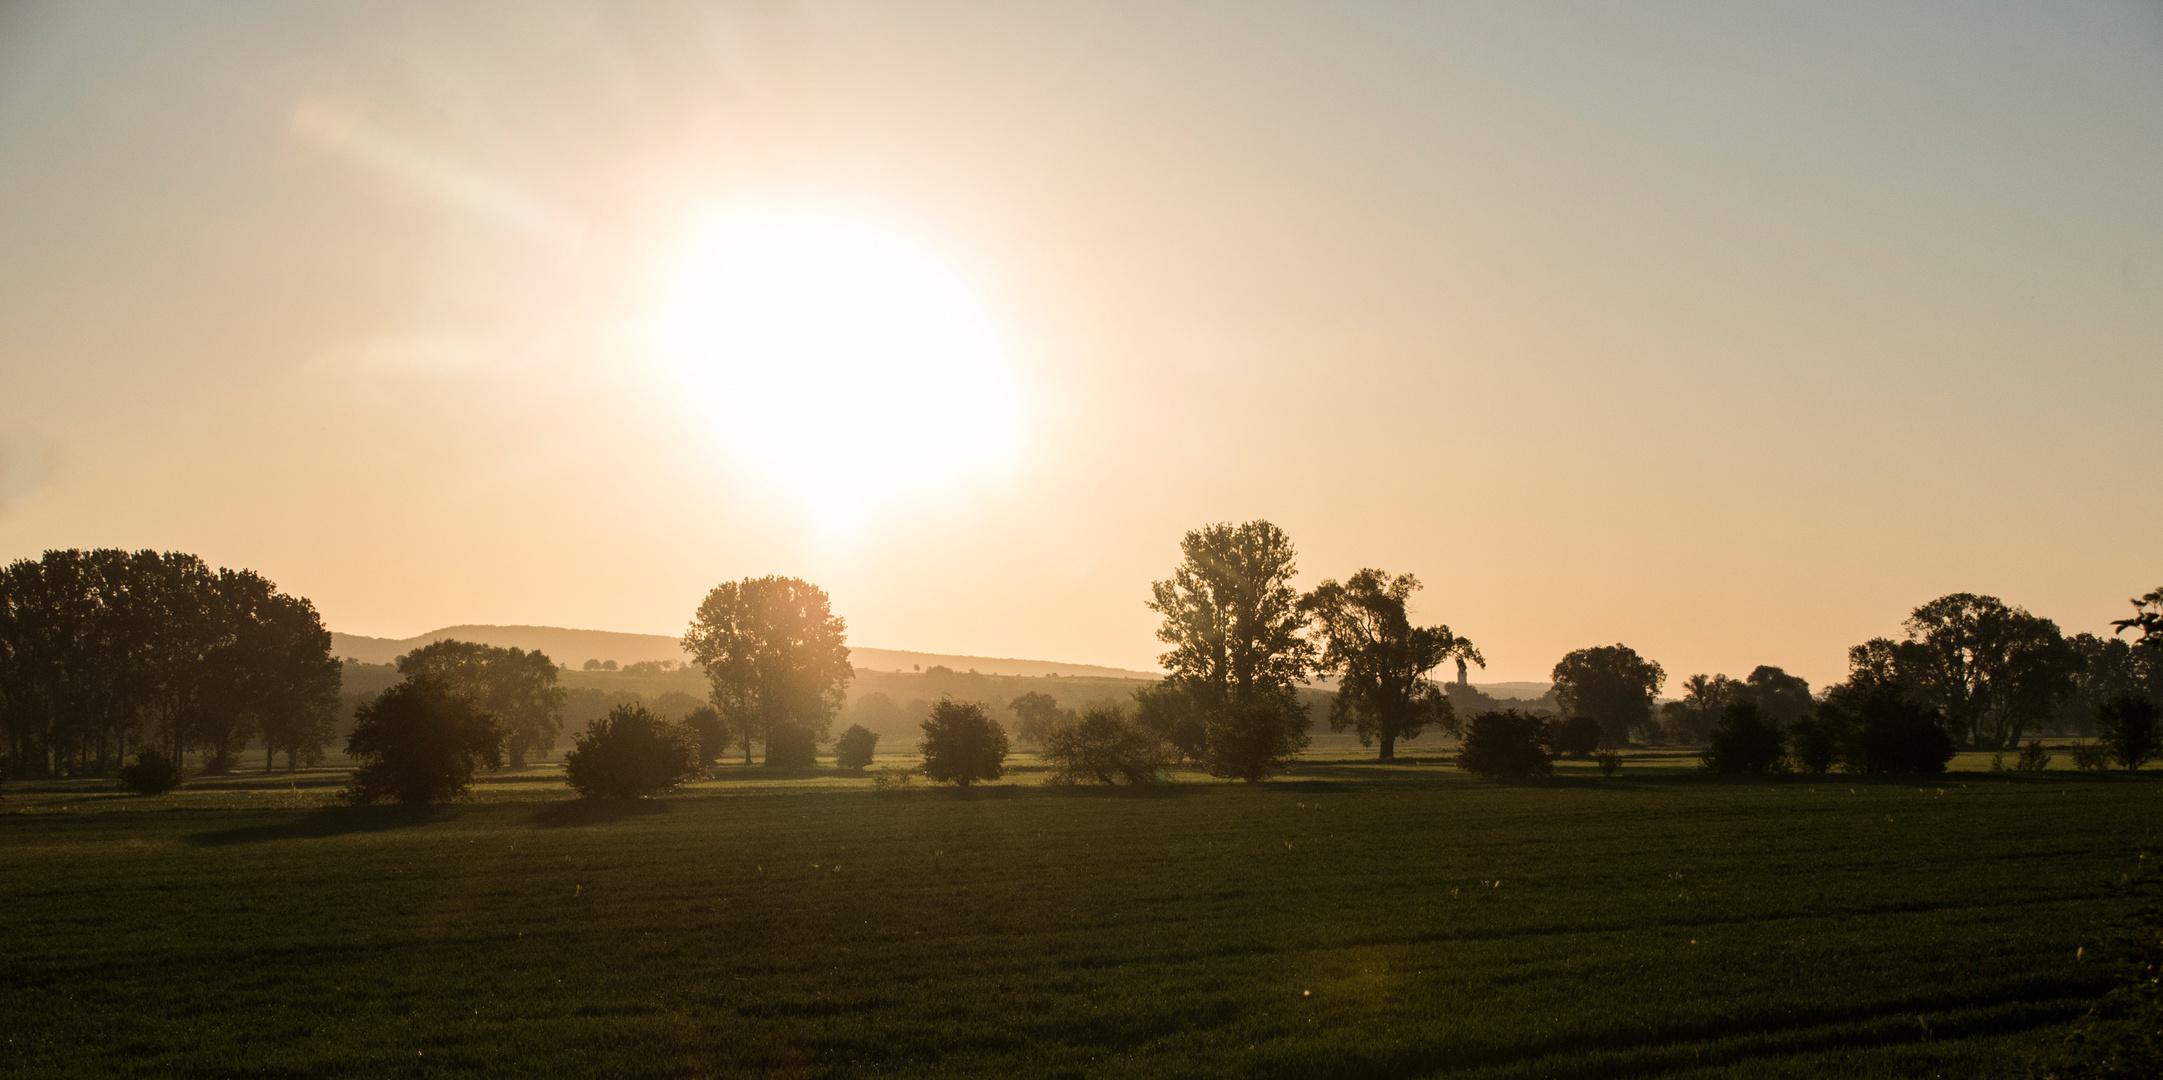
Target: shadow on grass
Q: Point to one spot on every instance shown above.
(328, 821)
(570, 812)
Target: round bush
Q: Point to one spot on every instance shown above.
(152, 773)
(853, 750)
(1744, 742)
(1104, 747)
(2132, 727)
(1577, 736)
(1506, 745)
(961, 745)
(630, 754)
(421, 742)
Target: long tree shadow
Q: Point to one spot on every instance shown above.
(566, 813)
(328, 821)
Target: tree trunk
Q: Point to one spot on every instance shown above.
(1389, 745)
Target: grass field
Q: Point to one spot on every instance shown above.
(1350, 920)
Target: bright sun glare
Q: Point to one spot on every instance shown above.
(845, 363)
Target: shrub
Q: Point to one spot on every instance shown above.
(630, 754)
(421, 742)
(1610, 762)
(1104, 747)
(1165, 710)
(962, 745)
(713, 733)
(2091, 757)
(1813, 743)
(2131, 726)
(2033, 757)
(892, 778)
(1744, 742)
(854, 748)
(1505, 745)
(1896, 735)
(1577, 736)
(153, 773)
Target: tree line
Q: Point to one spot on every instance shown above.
(105, 652)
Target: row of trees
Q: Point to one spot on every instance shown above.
(106, 651)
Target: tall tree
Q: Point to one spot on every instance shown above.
(517, 687)
(1611, 684)
(1993, 671)
(1233, 621)
(1782, 698)
(778, 661)
(1704, 701)
(1037, 715)
(1380, 658)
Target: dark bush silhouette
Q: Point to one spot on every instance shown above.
(712, 731)
(1166, 710)
(853, 750)
(2128, 726)
(1814, 744)
(961, 745)
(1506, 745)
(1894, 734)
(421, 742)
(152, 773)
(1575, 737)
(1104, 747)
(1744, 742)
(630, 754)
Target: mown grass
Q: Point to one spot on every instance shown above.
(1350, 920)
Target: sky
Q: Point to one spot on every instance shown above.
(1728, 331)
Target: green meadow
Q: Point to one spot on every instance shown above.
(1351, 919)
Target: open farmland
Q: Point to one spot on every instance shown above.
(1352, 919)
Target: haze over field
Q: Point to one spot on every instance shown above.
(1730, 331)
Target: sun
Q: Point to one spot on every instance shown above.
(845, 362)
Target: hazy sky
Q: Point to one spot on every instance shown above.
(1728, 331)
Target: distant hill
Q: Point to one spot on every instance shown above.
(575, 647)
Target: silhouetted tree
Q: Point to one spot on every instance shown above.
(1233, 621)
(2147, 618)
(1575, 737)
(1507, 745)
(1611, 684)
(1380, 658)
(1168, 713)
(855, 748)
(1104, 747)
(778, 661)
(705, 723)
(630, 754)
(517, 687)
(2128, 726)
(1891, 732)
(1815, 743)
(2109, 667)
(1037, 715)
(152, 773)
(1782, 698)
(1993, 671)
(1745, 741)
(962, 745)
(421, 741)
(1690, 718)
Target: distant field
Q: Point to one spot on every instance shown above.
(1351, 920)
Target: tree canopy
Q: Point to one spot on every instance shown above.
(961, 744)
(517, 687)
(421, 741)
(104, 650)
(1611, 684)
(777, 658)
(1381, 659)
(1233, 621)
